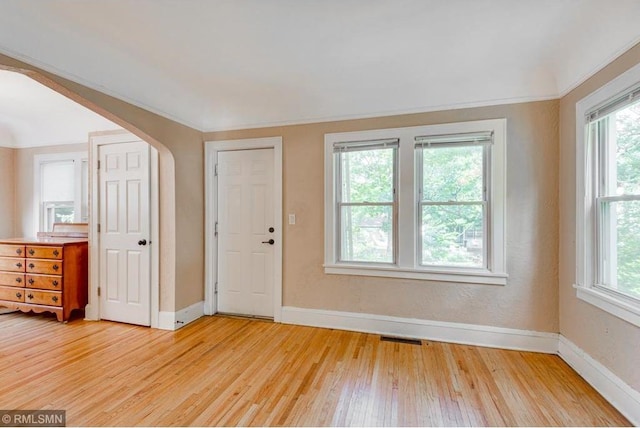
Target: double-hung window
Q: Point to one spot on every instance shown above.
(453, 204)
(61, 189)
(609, 210)
(366, 201)
(422, 202)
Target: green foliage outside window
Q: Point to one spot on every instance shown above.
(627, 124)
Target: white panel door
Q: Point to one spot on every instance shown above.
(245, 232)
(125, 270)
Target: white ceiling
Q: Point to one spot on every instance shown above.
(214, 64)
(33, 115)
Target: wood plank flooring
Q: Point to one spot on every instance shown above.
(230, 371)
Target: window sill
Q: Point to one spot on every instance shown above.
(471, 277)
(610, 304)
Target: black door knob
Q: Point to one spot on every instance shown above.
(270, 242)
(142, 242)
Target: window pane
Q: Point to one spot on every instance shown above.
(58, 212)
(58, 181)
(452, 173)
(84, 192)
(367, 175)
(452, 235)
(627, 150)
(367, 234)
(621, 246)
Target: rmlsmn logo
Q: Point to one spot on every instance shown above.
(33, 418)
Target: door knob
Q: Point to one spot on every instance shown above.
(270, 242)
(142, 242)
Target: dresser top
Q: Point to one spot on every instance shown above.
(45, 240)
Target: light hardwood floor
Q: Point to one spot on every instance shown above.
(229, 371)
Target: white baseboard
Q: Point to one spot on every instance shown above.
(91, 312)
(469, 334)
(176, 320)
(611, 387)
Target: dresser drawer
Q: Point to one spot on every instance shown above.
(46, 282)
(10, 250)
(51, 298)
(47, 267)
(12, 294)
(12, 279)
(44, 252)
(11, 264)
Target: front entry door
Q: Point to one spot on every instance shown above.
(125, 270)
(245, 232)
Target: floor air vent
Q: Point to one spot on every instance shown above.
(401, 340)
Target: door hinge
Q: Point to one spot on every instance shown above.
(215, 231)
(98, 164)
(215, 288)
(98, 227)
(98, 291)
(215, 170)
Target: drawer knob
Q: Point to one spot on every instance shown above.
(19, 251)
(54, 298)
(31, 265)
(19, 295)
(19, 265)
(19, 280)
(55, 283)
(56, 252)
(31, 252)
(56, 267)
(31, 281)
(30, 296)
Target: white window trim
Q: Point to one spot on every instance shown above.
(406, 265)
(38, 161)
(585, 285)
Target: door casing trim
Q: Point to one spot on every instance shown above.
(211, 216)
(92, 310)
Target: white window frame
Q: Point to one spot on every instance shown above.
(586, 227)
(39, 205)
(407, 263)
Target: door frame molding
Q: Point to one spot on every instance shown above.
(211, 216)
(92, 311)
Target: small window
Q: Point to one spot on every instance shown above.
(425, 202)
(61, 186)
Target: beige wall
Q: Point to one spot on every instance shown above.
(7, 193)
(608, 339)
(25, 206)
(529, 301)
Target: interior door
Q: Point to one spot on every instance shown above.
(124, 232)
(245, 232)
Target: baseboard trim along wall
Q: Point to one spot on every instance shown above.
(611, 387)
(468, 334)
(176, 320)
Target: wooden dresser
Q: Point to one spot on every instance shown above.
(46, 274)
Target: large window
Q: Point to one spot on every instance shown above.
(608, 237)
(420, 202)
(61, 189)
